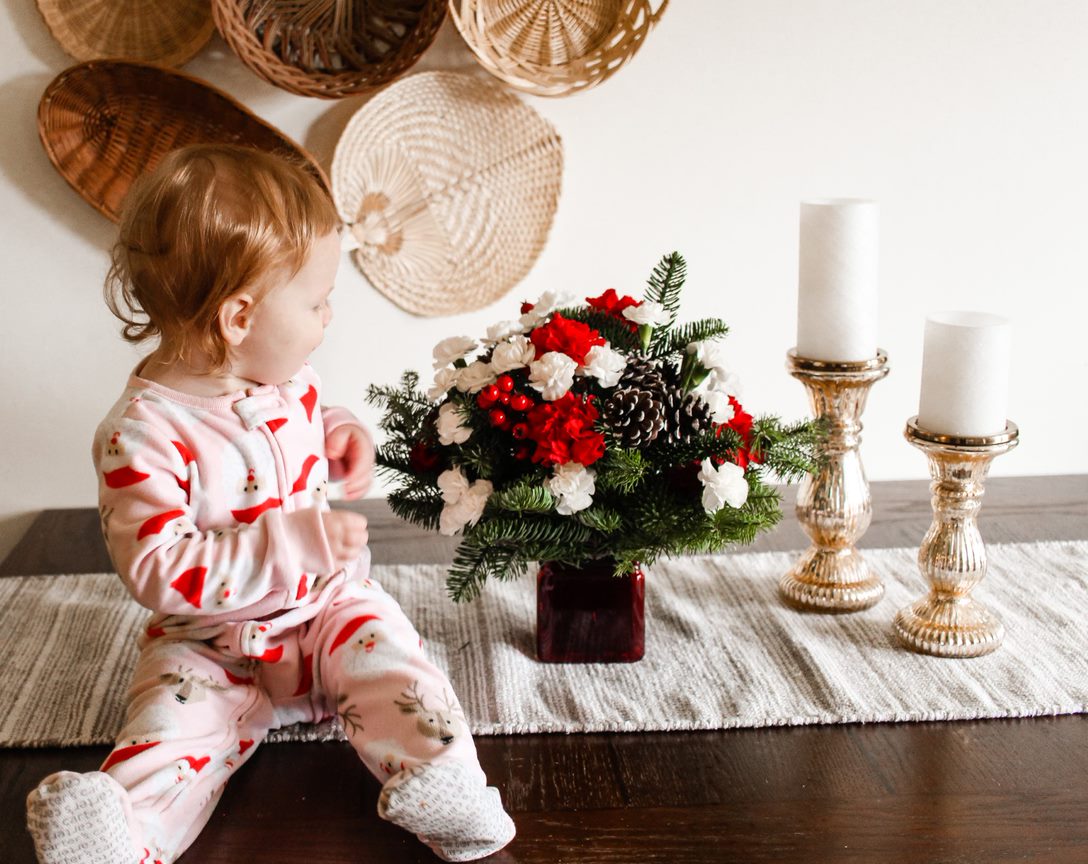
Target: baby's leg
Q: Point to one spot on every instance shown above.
(193, 717)
(401, 715)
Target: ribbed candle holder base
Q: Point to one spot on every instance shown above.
(949, 627)
(827, 580)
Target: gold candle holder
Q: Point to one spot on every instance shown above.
(948, 622)
(834, 506)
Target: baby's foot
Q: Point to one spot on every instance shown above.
(450, 809)
(80, 817)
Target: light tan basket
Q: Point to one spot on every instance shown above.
(329, 48)
(556, 47)
(449, 184)
(168, 32)
(105, 123)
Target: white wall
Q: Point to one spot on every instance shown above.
(963, 118)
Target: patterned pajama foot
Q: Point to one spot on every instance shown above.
(450, 809)
(80, 819)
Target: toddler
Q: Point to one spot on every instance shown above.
(213, 468)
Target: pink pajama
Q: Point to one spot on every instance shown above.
(197, 711)
(211, 508)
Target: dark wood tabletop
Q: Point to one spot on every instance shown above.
(939, 792)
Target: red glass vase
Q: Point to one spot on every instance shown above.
(585, 614)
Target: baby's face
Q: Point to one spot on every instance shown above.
(290, 321)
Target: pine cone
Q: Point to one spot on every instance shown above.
(643, 373)
(686, 415)
(634, 415)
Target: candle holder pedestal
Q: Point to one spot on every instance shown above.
(948, 622)
(834, 506)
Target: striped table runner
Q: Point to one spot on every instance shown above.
(722, 651)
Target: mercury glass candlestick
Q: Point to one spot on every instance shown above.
(948, 622)
(833, 505)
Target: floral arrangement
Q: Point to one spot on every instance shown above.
(578, 432)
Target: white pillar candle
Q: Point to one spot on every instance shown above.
(965, 374)
(837, 279)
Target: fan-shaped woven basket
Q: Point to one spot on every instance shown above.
(449, 184)
(329, 48)
(157, 31)
(104, 123)
(554, 47)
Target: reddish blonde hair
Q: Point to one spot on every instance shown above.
(209, 221)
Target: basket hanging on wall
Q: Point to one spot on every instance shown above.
(449, 184)
(168, 32)
(329, 48)
(554, 47)
(104, 123)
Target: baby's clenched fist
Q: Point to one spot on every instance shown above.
(347, 534)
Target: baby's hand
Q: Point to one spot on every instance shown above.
(351, 458)
(347, 534)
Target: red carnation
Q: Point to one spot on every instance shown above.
(612, 304)
(742, 425)
(563, 431)
(572, 338)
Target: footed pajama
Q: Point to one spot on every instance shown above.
(211, 508)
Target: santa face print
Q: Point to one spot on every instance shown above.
(289, 321)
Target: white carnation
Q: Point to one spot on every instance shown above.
(450, 428)
(454, 348)
(722, 484)
(549, 301)
(647, 313)
(552, 375)
(444, 379)
(573, 485)
(726, 382)
(466, 509)
(721, 410)
(605, 365)
(453, 484)
(515, 353)
(475, 376)
(709, 352)
(503, 330)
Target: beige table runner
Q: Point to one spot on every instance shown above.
(722, 651)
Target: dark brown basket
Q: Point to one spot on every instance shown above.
(329, 48)
(105, 122)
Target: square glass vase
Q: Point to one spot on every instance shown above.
(585, 614)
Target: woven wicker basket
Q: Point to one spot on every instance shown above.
(168, 32)
(449, 184)
(104, 123)
(557, 47)
(329, 48)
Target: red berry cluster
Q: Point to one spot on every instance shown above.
(502, 402)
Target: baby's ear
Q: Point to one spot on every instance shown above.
(235, 318)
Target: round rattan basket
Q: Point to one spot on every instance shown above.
(449, 184)
(168, 32)
(104, 123)
(329, 48)
(556, 47)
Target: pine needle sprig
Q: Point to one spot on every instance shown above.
(664, 286)
(676, 341)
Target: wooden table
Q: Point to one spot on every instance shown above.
(985, 791)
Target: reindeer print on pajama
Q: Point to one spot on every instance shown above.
(211, 508)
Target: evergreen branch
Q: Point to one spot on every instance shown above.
(502, 546)
(526, 497)
(418, 503)
(677, 340)
(789, 452)
(602, 519)
(664, 287)
(621, 470)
